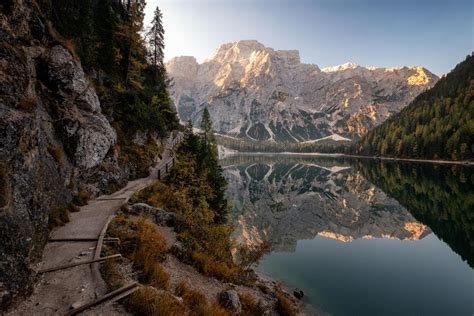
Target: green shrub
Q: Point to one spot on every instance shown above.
(59, 216)
(81, 198)
(73, 208)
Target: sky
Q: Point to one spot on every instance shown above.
(435, 34)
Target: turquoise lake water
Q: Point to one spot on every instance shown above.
(360, 237)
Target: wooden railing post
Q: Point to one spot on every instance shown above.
(159, 174)
(166, 167)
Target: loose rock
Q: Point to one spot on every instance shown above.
(230, 300)
(298, 293)
(159, 216)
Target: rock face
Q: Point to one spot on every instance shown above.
(88, 133)
(54, 141)
(258, 93)
(283, 201)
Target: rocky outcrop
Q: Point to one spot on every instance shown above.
(255, 92)
(158, 215)
(54, 141)
(86, 132)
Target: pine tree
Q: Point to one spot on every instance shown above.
(156, 44)
(131, 32)
(105, 26)
(206, 128)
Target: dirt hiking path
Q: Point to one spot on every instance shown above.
(59, 291)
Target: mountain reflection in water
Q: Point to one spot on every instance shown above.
(360, 237)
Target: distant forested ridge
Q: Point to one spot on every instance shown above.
(246, 145)
(438, 124)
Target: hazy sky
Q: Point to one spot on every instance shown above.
(435, 34)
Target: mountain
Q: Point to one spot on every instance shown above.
(283, 201)
(438, 124)
(259, 93)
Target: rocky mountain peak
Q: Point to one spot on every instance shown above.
(236, 51)
(186, 66)
(259, 93)
(342, 67)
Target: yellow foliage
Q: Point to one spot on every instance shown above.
(150, 301)
(151, 245)
(159, 278)
(284, 306)
(197, 303)
(214, 268)
(250, 306)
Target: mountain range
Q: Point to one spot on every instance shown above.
(258, 93)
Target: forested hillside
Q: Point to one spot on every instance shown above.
(438, 124)
(322, 146)
(126, 68)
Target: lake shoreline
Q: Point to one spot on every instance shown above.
(432, 161)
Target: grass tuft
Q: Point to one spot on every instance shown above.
(284, 306)
(58, 217)
(151, 249)
(73, 208)
(150, 301)
(27, 104)
(197, 303)
(81, 198)
(250, 306)
(211, 267)
(158, 277)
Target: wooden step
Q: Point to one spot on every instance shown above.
(79, 239)
(127, 289)
(71, 265)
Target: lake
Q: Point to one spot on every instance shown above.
(359, 236)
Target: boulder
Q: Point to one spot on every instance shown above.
(159, 216)
(87, 132)
(299, 294)
(177, 249)
(94, 138)
(230, 300)
(67, 75)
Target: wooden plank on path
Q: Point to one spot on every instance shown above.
(110, 199)
(70, 265)
(98, 248)
(82, 239)
(104, 298)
